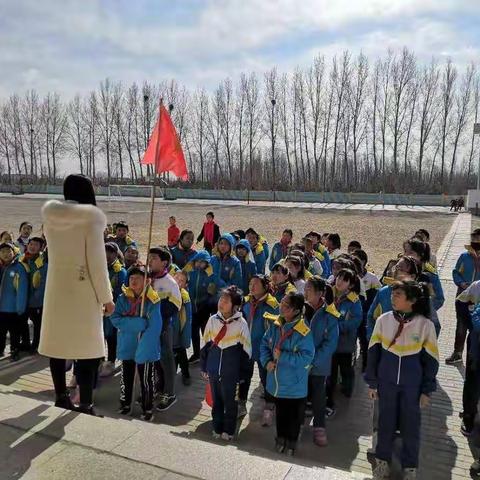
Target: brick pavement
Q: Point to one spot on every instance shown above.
(445, 453)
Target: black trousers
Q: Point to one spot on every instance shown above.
(199, 322)
(362, 339)
(9, 322)
(244, 386)
(85, 372)
(181, 359)
(112, 346)
(471, 388)
(290, 413)
(318, 397)
(463, 323)
(35, 315)
(225, 405)
(24, 332)
(146, 377)
(344, 362)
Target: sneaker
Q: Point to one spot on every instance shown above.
(125, 410)
(73, 382)
(330, 412)
(227, 437)
(242, 408)
(466, 429)
(381, 470)
(455, 357)
(320, 437)
(147, 416)
(194, 359)
(107, 369)
(267, 417)
(216, 436)
(279, 445)
(187, 381)
(165, 402)
(65, 402)
(409, 474)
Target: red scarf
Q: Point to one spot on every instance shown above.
(402, 319)
(283, 337)
(208, 232)
(253, 308)
(134, 304)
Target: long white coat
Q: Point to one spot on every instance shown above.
(77, 281)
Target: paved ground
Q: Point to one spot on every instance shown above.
(323, 206)
(445, 453)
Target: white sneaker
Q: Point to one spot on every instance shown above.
(107, 369)
(227, 437)
(216, 436)
(381, 470)
(409, 474)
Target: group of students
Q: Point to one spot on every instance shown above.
(299, 325)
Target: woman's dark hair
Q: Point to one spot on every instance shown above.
(298, 262)
(122, 224)
(320, 285)
(362, 255)
(79, 188)
(422, 249)
(414, 268)
(335, 239)
(355, 244)
(235, 294)
(264, 280)
(296, 300)
(351, 277)
(183, 234)
(418, 292)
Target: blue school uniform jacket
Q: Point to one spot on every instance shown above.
(258, 322)
(130, 325)
(181, 257)
(324, 327)
(201, 283)
(382, 303)
(289, 379)
(14, 287)
(118, 278)
(260, 255)
(229, 358)
(322, 254)
(278, 252)
(182, 323)
(465, 270)
(248, 266)
(350, 309)
(412, 360)
(37, 279)
(227, 270)
(282, 290)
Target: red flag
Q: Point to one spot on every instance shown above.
(168, 153)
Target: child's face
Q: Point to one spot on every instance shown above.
(294, 269)
(155, 264)
(131, 255)
(111, 256)
(325, 240)
(224, 247)
(286, 237)
(252, 239)
(187, 241)
(307, 243)
(209, 218)
(181, 279)
(335, 268)
(201, 264)
(256, 288)
(26, 231)
(135, 282)
(400, 301)
(172, 221)
(241, 252)
(121, 232)
(278, 277)
(34, 248)
(6, 255)
(310, 293)
(342, 285)
(225, 306)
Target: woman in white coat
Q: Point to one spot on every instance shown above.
(77, 289)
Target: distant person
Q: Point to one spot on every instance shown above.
(210, 233)
(183, 252)
(122, 238)
(25, 232)
(173, 233)
(280, 249)
(77, 288)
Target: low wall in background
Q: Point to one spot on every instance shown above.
(246, 195)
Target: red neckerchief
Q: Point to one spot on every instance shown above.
(134, 305)
(402, 319)
(253, 307)
(283, 337)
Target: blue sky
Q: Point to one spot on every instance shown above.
(71, 45)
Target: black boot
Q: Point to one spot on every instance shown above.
(65, 402)
(88, 410)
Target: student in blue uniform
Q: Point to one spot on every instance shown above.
(321, 253)
(286, 352)
(224, 359)
(13, 297)
(401, 374)
(347, 302)
(226, 266)
(282, 283)
(259, 305)
(138, 346)
(183, 252)
(280, 249)
(323, 323)
(259, 248)
(249, 268)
